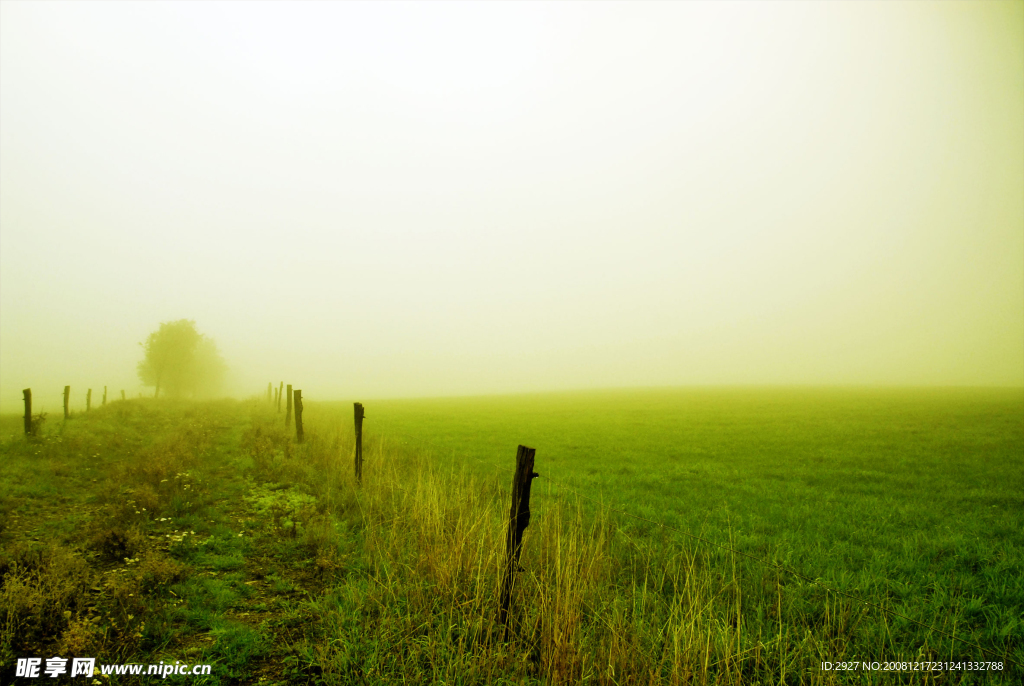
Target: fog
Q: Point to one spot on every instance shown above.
(388, 199)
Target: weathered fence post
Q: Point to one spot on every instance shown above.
(279, 392)
(518, 520)
(288, 417)
(275, 396)
(104, 395)
(122, 394)
(88, 400)
(67, 394)
(298, 416)
(270, 385)
(359, 442)
(28, 410)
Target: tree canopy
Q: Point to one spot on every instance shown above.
(181, 361)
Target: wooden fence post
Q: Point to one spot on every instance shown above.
(122, 394)
(298, 416)
(104, 395)
(279, 392)
(67, 394)
(288, 417)
(359, 442)
(28, 410)
(518, 520)
(88, 400)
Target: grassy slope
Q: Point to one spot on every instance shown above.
(395, 582)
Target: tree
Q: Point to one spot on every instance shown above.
(181, 361)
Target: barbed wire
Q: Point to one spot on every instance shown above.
(777, 567)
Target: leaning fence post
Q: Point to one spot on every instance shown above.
(88, 400)
(122, 394)
(359, 442)
(298, 416)
(67, 394)
(104, 395)
(288, 417)
(28, 410)
(518, 520)
(279, 392)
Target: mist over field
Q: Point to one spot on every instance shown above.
(738, 287)
(428, 199)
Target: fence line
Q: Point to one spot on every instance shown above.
(777, 567)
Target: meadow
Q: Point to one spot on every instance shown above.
(202, 532)
(910, 498)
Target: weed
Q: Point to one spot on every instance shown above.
(43, 587)
(36, 424)
(116, 545)
(157, 572)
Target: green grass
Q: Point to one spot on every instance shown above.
(146, 531)
(913, 499)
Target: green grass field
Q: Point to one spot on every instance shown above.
(147, 531)
(909, 498)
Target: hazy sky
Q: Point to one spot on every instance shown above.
(389, 199)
